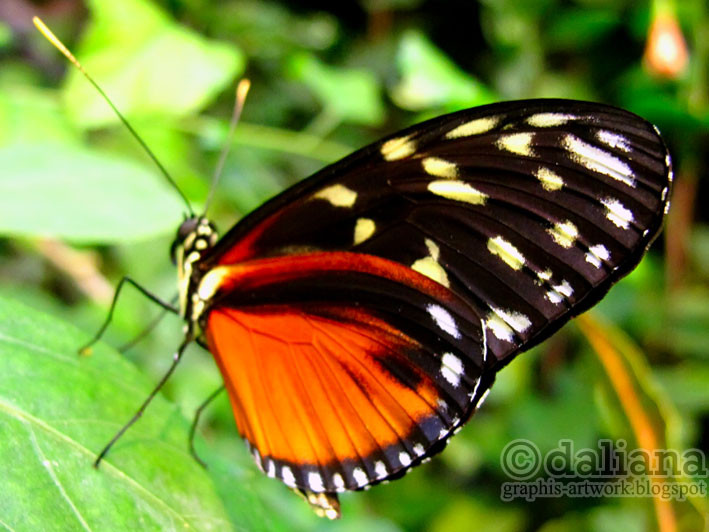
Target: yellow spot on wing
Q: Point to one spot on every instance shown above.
(519, 143)
(544, 275)
(506, 251)
(549, 180)
(549, 119)
(459, 191)
(474, 127)
(398, 148)
(337, 195)
(433, 249)
(430, 267)
(439, 167)
(211, 282)
(564, 233)
(364, 228)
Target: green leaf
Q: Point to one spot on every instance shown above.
(350, 94)
(431, 79)
(65, 192)
(30, 114)
(147, 64)
(57, 409)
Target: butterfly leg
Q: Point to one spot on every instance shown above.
(146, 330)
(86, 349)
(175, 360)
(195, 422)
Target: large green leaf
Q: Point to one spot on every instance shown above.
(147, 63)
(57, 409)
(62, 191)
(29, 114)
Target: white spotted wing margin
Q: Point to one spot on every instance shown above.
(528, 210)
(417, 267)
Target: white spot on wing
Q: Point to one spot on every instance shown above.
(474, 127)
(337, 195)
(499, 328)
(564, 233)
(270, 468)
(438, 167)
(598, 160)
(459, 191)
(405, 459)
(565, 289)
(597, 254)
(549, 119)
(451, 368)
(360, 477)
(550, 181)
(444, 320)
(519, 143)
(380, 469)
(398, 148)
(506, 251)
(287, 476)
(338, 482)
(554, 297)
(614, 140)
(617, 213)
(502, 323)
(518, 321)
(419, 450)
(315, 482)
(558, 292)
(364, 228)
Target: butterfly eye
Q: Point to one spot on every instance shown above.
(186, 228)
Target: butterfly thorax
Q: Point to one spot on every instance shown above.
(195, 237)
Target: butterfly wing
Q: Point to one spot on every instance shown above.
(343, 369)
(527, 210)
(359, 317)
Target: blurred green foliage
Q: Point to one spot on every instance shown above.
(327, 78)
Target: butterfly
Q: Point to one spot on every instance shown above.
(360, 317)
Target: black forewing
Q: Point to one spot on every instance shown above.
(527, 210)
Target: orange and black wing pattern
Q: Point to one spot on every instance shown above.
(343, 369)
(359, 317)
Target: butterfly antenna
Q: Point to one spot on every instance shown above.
(242, 89)
(44, 30)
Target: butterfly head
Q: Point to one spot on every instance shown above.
(195, 237)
